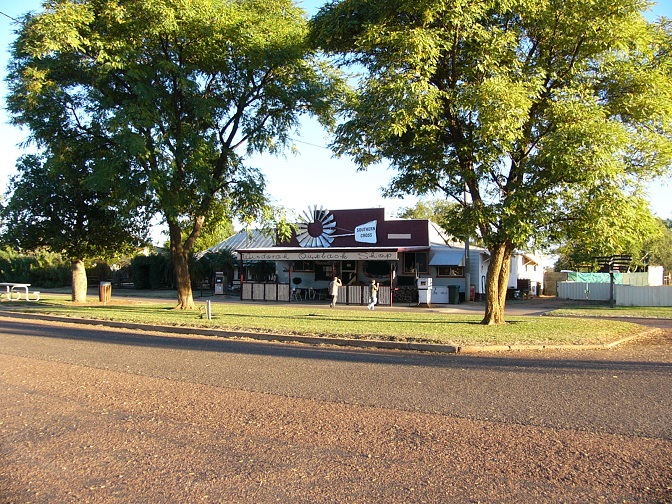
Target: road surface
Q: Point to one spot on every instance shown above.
(97, 415)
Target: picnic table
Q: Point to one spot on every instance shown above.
(15, 288)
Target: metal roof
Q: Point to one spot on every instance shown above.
(253, 239)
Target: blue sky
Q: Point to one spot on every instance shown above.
(312, 177)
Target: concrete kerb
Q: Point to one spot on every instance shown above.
(266, 337)
(328, 341)
(514, 348)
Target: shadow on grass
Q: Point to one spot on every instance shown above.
(94, 335)
(356, 320)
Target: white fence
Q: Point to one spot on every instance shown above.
(624, 295)
(630, 295)
(583, 290)
(350, 295)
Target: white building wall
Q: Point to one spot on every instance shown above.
(656, 275)
(521, 271)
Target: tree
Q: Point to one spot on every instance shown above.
(649, 241)
(628, 228)
(525, 105)
(56, 205)
(435, 210)
(178, 91)
(215, 230)
(660, 250)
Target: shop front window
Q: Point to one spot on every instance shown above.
(325, 271)
(303, 266)
(450, 271)
(415, 263)
(377, 268)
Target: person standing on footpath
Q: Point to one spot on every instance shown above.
(373, 294)
(333, 290)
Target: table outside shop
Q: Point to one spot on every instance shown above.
(13, 289)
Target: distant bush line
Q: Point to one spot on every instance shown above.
(154, 271)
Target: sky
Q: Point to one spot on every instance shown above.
(313, 177)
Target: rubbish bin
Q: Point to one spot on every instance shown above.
(453, 294)
(105, 292)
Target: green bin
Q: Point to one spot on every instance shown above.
(453, 294)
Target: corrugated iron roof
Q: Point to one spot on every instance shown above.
(243, 239)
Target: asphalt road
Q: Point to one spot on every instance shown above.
(98, 415)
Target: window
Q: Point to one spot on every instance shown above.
(450, 271)
(377, 268)
(415, 261)
(324, 271)
(303, 266)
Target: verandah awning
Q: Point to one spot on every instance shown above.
(453, 257)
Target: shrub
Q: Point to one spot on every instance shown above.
(151, 272)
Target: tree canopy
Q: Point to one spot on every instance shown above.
(649, 244)
(175, 94)
(55, 204)
(535, 109)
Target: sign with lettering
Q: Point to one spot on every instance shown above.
(366, 233)
(364, 255)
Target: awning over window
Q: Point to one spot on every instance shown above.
(454, 257)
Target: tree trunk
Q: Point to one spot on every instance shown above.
(497, 281)
(180, 257)
(79, 282)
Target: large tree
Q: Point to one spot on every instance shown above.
(525, 106)
(178, 93)
(55, 203)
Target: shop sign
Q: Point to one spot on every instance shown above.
(366, 233)
(364, 255)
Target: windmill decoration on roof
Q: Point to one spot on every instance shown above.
(316, 228)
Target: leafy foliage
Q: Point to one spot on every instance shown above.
(649, 243)
(178, 93)
(40, 268)
(659, 251)
(204, 267)
(527, 105)
(54, 204)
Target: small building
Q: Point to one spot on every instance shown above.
(527, 274)
(414, 260)
(357, 246)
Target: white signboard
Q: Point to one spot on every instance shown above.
(364, 255)
(366, 233)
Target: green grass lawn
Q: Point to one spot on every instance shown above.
(355, 322)
(602, 310)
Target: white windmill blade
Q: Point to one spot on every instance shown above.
(307, 218)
